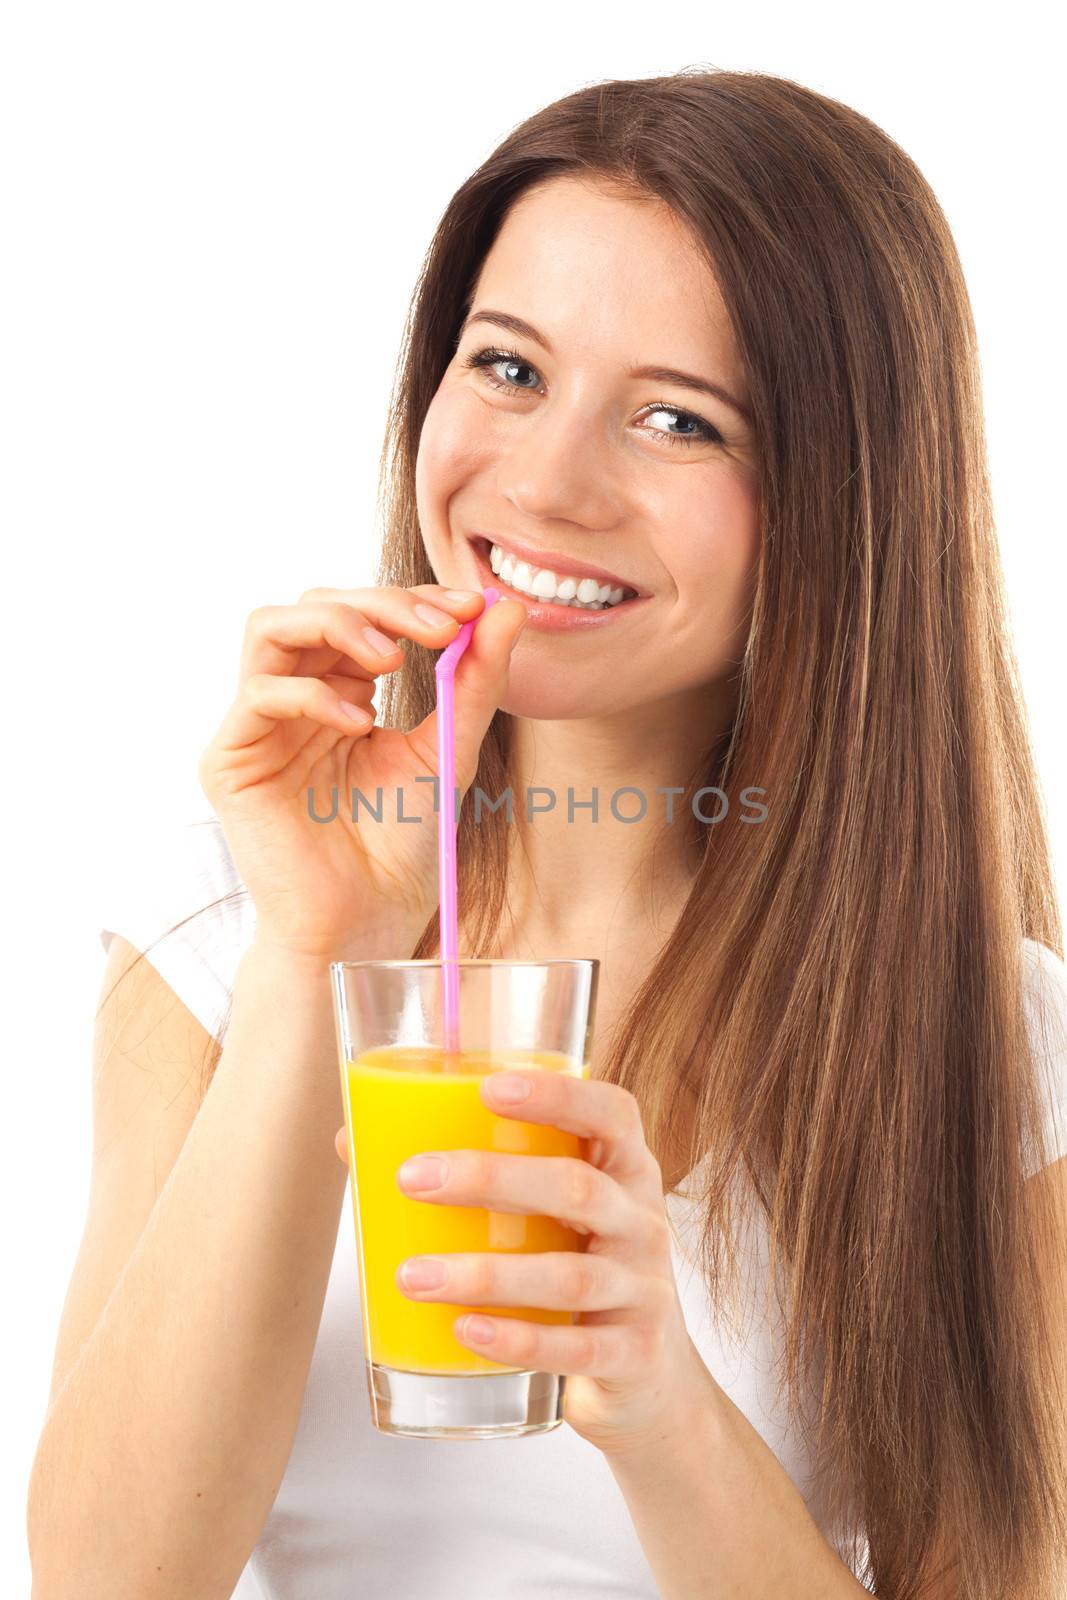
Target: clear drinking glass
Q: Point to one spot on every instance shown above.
(405, 1094)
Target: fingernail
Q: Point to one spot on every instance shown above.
(480, 1329)
(378, 641)
(422, 1272)
(423, 1172)
(430, 614)
(357, 713)
(462, 594)
(505, 1086)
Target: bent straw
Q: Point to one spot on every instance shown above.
(445, 673)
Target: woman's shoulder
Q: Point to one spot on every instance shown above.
(1045, 1007)
(174, 893)
(1041, 957)
(1045, 993)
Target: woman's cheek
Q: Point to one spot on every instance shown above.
(715, 571)
(455, 443)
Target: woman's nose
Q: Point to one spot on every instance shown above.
(555, 468)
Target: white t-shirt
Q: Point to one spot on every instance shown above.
(362, 1513)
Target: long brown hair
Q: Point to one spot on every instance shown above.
(842, 995)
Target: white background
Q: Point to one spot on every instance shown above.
(213, 217)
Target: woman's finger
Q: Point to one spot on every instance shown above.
(553, 1280)
(462, 603)
(265, 700)
(362, 623)
(571, 1190)
(605, 1113)
(341, 1144)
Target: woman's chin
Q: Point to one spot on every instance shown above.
(542, 702)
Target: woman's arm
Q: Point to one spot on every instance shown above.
(163, 1450)
(717, 1514)
(719, 1518)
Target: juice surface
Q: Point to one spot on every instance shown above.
(401, 1101)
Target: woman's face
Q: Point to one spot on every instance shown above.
(552, 448)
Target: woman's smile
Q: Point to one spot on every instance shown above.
(555, 613)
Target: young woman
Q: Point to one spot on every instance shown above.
(691, 375)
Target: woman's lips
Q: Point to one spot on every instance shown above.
(549, 615)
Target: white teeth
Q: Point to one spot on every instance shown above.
(541, 583)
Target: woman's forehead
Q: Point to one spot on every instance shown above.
(600, 272)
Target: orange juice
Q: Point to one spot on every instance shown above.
(400, 1101)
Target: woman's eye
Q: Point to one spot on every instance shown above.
(488, 359)
(694, 429)
(702, 432)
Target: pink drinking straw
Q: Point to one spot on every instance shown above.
(445, 673)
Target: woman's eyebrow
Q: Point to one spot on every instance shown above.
(684, 380)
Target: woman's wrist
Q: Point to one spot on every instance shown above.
(311, 962)
(267, 952)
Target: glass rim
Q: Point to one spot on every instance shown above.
(469, 961)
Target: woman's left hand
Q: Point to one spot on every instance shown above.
(633, 1373)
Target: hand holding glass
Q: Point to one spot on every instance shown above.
(405, 1094)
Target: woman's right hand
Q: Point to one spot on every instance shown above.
(343, 889)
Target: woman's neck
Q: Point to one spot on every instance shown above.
(574, 878)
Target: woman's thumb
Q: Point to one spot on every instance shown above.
(482, 679)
